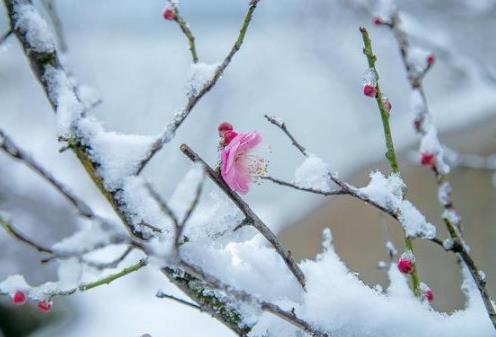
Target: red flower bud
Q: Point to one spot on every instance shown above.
(377, 21)
(19, 298)
(431, 59)
(223, 127)
(426, 292)
(169, 14)
(428, 159)
(429, 296)
(370, 90)
(406, 266)
(44, 306)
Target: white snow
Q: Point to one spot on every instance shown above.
(392, 251)
(388, 192)
(312, 173)
(200, 74)
(430, 144)
(444, 193)
(118, 154)
(29, 22)
(69, 109)
(14, 283)
(369, 77)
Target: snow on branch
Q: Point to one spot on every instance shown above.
(432, 153)
(198, 93)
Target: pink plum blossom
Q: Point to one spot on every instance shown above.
(239, 165)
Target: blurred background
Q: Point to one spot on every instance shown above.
(301, 61)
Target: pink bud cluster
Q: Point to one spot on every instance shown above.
(226, 133)
(169, 14)
(19, 298)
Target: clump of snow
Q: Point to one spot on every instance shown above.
(369, 77)
(444, 193)
(200, 74)
(92, 234)
(141, 208)
(118, 154)
(417, 103)
(87, 95)
(384, 191)
(448, 244)
(29, 22)
(61, 93)
(391, 249)
(452, 216)
(338, 303)
(430, 144)
(418, 58)
(14, 283)
(313, 173)
(388, 193)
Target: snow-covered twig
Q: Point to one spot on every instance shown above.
(391, 153)
(104, 281)
(161, 294)
(424, 127)
(45, 61)
(281, 125)
(181, 116)
(253, 219)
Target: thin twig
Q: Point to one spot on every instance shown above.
(5, 36)
(305, 189)
(280, 124)
(8, 146)
(112, 264)
(21, 237)
(254, 220)
(391, 153)
(196, 199)
(106, 280)
(161, 294)
(178, 120)
(183, 25)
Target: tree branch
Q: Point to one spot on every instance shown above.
(455, 229)
(5, 36)
(177, 121)
(391, 153)
(183, 25)
(21, 237)
(254, 220)
(8, 146)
